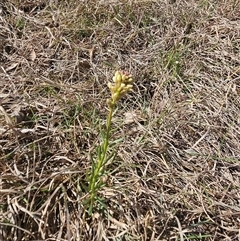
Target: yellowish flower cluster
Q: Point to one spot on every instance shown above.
(122, 83)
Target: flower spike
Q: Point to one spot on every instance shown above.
(122, 83)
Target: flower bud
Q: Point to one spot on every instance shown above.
(124, 77)
(115, 97)
(110, 85)
(117, 78)
(123, 92)
(122, 86)
(109, 102)
(129, 87)
(130, 80)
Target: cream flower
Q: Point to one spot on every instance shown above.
(122, 83)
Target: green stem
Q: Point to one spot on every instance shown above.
(101, 161)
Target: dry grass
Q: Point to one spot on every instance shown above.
(176, 172)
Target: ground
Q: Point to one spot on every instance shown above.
(175, 138)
